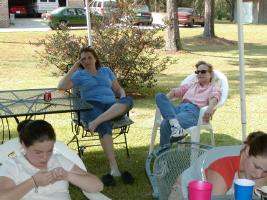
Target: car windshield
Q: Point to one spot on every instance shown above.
(80, 11)
(111, 4)
(185, 10)
(143, 8)
(57, 10)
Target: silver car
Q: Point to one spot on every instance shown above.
(103, 7)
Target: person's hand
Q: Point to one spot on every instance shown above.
(77, 64)
(207, 115)
(59, 174)
(43, 178)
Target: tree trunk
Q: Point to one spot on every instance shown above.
(172, 37)
(233, 11)
(148, 5)
(156, 5)
(209, 19)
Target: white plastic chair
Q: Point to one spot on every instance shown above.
(13, 146)
(194, 131)
(196, 170)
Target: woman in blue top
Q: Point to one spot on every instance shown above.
(99, 86)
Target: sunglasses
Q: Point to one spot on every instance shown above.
(201, 71)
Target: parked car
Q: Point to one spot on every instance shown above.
(103, 7)
(65, 17)
(143, 16)
(140, 15)
(18, 10)
(188, 16)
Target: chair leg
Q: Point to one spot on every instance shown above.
(153, 138)
(212, 137)
(76, 130)
(195, 137)
(195, 134)
(126, 145)
(80, 136)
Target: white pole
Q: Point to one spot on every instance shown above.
(88, 23)
(241, 67)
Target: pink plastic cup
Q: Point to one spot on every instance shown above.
(199, 190)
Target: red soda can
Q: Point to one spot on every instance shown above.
(47, 96)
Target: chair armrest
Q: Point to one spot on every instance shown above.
(96, 196)
(201, 114)
(158, 116)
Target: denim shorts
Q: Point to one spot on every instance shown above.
(98, 109)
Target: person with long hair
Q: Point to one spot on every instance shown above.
(98, 86)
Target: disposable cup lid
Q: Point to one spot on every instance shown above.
(244, 182)
(201, 185)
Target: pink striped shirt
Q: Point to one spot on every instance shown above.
(197, 94)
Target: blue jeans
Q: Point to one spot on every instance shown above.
(98, 109)
(186, 113)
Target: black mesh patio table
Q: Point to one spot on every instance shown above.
(30, 102)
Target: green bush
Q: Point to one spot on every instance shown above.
(60, 49)
(128, 50)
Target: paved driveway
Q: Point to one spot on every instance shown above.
(35, 24)
(26, 24)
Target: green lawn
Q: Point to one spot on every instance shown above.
(18, 70)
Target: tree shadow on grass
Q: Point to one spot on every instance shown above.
(254, 82)
(197, 44)
(96, 163)
(221, 139)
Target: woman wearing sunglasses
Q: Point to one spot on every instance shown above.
(194, 96)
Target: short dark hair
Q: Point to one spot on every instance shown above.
(92, 51)
(201, 62)
(257, 142)
(31, 131)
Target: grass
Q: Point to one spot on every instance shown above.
(18, 70)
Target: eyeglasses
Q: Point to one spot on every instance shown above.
(201, 71)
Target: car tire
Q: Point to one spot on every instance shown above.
(34, 14)
(62, 25)
(53, 27)
(190, 24)
(202, 25)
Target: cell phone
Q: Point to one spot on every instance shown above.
(80, 66)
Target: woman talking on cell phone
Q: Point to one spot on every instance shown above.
(98, 85)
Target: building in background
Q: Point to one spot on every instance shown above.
(254, 11)
(6, 4)
(4, 14)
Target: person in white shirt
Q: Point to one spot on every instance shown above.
(38, 173)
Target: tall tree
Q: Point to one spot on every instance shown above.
(172, 38)
(156, 8)
(209, 19)
(231, 5)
